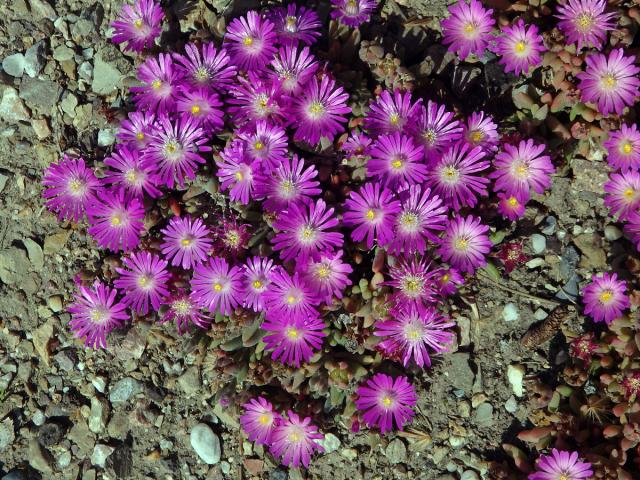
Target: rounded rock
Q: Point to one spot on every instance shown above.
(205, 443)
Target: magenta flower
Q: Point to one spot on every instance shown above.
(610, 82)
(201, 107)
(623, 193)
(250, 41)
(259, 420)
(267, 143)
(510, 207)
(585, 22)
(468, 29)
(481, 131)
(236, 172)
(174, 151)
(144, 281)
(216, 286)
(289, 297)
(136, 130)
(304, 230)
(396, 161)
(520, 47)
(605, 298)
(371, 212)
(206, 67)
(436, 129)
(632, 228)
(414, 331)
(458, 176)
(130, 172)
(257, 271)
(230, 236)
(465, 244)
(295, 24)
(521, 168)
(70, 187)
(116, 220)
(182, 310)
(386, 403)
(357, 145)
(293, 67)
(293, 339)
(160, 81)
(422, 217)
(95, 313)
(413, 282)
(138, 25)
(288, 184)
(449, 281)
(561, 465)
(389, 114)
(623, 148)
(353, 12)
(186, 242)
(319, 110)
(328, 275)
(255, 99)
(294, 441)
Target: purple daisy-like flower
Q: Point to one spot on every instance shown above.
(236, 172)
(421, 218)
(414, 331)
(436, 129)
(130, 172)
(468, 28)
(319, 110)
(623, 193)
(510, 207)
(561, 465)
(216, 286)
(294, 441)
(259, 420)
(289, 183)
(95, 313)
(449, 280)
(328, 275)
(458, 176)
(481, 131)
(386, 402)
(257, 271)
(304, 230)
(136, 130)
(520, 47)
(138, 25)
(465, 244)
(371, 213)
(396, 160)
(610, 82)
(585, 22)
(289, 297)
(521, 168)
(160, 81)
(413, 282)
(186, 242)
(623, 148)
(231, 236)
(144, 281)
(632, 228)
(116, 220)
(295, 24)
(181, 309)
(353, 13)
(267, 143)
(250, 41)
(255, 99)
(206, 67)
(174, 151)
(70, 187)
(293, 67)
(202, 107)
(357, 145)
(605, 298)
(293, 339)
(389, 114)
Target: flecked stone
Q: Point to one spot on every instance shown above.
(205, 443)
(330, 443)
(510, 312)
(63, 53)
(106, 77)
(511, 405)
(396, 451)
(41, 128)
(11, 107)
(14, 64)
(34, 58)
(124, 389)
(98, 417)
(100, 454)
(39, 93)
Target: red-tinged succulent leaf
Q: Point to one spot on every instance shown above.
(611, 431)
(535, 435)
(520, 459)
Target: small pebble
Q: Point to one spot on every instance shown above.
(612, 233)
(205, 443)
(511, 405)
(538, 243)
(469, 475)
(515, 375)
(540, 314)
(510, 313)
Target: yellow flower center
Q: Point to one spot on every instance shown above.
(257, 284)
(563, 477)
(232, 238)
(185, 242)
(75, 186)
(323, 271)
(171, 147)
(461, 244)
(387, 401)
(412, 285)
(96, 315)
(513, 201)
(409, 221)
(294, 437)
(606, 296)
(292, 333)
(181, 307)
(584, 21)
(248, 41)
(138, 23)
(264, 419)
(413, 333)
(520, 47)
(258, 145)
(450, 172)
(143, 281)
(629, 192)
(316, 108)
(131, 176)
(445, 278)
(430, 136)
(116, 220)
(140, 136)
(477, 136)
(290, 21)
(394, 119)
(609, 81)
(156, 84)
(370, 214)
(627, 148)
(307, 233)
(396, 164)
(291, 299)
(469, 27)
(239, 176)
(195, 110)
(217, 287)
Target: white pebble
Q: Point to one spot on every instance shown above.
(510, 312)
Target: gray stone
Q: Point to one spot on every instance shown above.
(16, 475)
(64, 459)
(41, 94)
(549, 226)
(469, 475)
(14, 265)
(11, 107)
(41, 9)
(124, 389)
(612, 233)
(510, 312)
(69, 104)
(568, 262)
(106, 77)
(35, 58)
(98, 417)
(63, 53)
(484, 414)
(85, 71)
(100, 454)
(82, 436)
(511, 405)
(3, 182)
(34, 250)
(106, 137)
(460, 372)
(65, 361)
(14, 64)
(330, 443)
(7, 436)
(205, 443)
(189, 381)
(396, 451)
(54, 302)
(39, 458)
(540, 314)
(538, 243)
